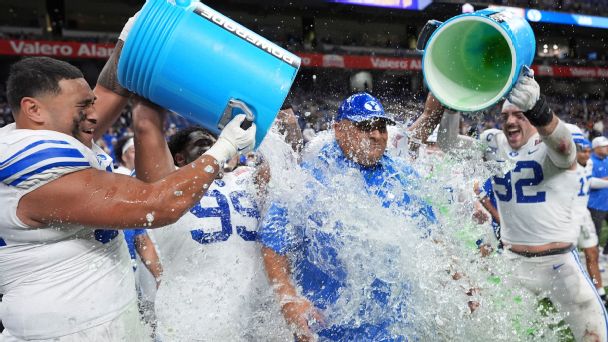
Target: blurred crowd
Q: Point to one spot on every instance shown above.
(591, 7)
(576, 6)
(316, 110)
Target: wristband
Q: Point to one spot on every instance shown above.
(540, 114)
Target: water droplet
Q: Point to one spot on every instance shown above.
(205, 186)
(178, 193)
(209, 169)
(150, 218)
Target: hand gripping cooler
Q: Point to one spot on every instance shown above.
(202, 65)
(473, 60)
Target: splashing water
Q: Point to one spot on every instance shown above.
(150, 218)
(425, 301)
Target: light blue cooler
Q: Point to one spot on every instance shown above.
(200, 64)
(472, 61)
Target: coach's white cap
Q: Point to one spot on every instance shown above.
(599, 142)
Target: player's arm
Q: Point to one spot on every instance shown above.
(487, 204)
(559, 141)
(598, 183)
(287, 123)
(111, 96)
(591, 260)
(448, 137)
(97, 198)
(147, 252)
(102, 199)
(484, 199)
(261, 178)
(554, 133)
(422, 128)
(296, 310)
(153, 160)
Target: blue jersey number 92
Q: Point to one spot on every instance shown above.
(520, 196)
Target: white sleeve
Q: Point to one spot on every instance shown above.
(32, 160)
(598, 183)
(555, 142)
(448, 138)
(489, 142)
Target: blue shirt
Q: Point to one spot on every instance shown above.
(130, 235)
(489, 190)
(598, 198)
(314, 254)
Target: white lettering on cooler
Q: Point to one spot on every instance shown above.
(247, 35)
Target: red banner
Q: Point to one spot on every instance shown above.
(17, 47)
(565, 71)
(391, 63)
(359, 62)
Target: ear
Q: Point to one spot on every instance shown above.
(31, 109)
(339, 130)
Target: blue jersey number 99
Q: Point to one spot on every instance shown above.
(222, 211)
(520, 196)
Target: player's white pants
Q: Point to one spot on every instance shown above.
(125, 328)
(563, 280)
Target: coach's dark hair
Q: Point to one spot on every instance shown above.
(35, 76)
(177, 142)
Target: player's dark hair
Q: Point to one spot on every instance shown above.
(178, 141)
(35, 76)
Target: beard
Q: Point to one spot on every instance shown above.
(76, 121)
(78, 128)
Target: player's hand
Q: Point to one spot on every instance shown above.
(473, 304)
(480, 217)
(526, 91)
(233, 140)
(301, 314)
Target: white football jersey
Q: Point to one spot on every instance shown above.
(214, 287)
(535, 198)
(582, 216)
(58, 279)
